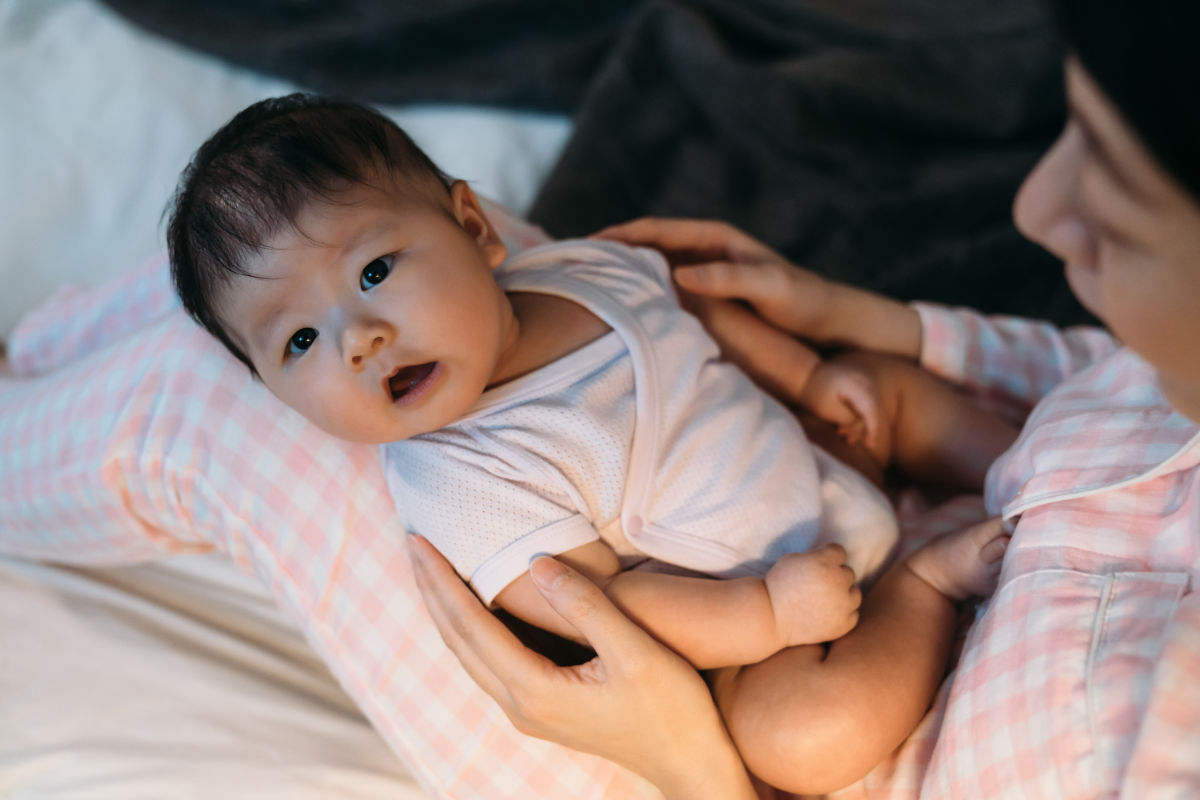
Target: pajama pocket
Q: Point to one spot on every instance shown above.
(1135, 609)
(1052, 685)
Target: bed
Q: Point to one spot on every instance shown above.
(121, 682)
(181, 676)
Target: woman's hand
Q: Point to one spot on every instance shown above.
(715, 263)
(715, 259)
(637, 703)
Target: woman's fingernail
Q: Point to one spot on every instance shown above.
(547, 573)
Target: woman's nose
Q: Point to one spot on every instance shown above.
(1046, 210)
(360, 341)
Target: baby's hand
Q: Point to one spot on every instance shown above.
(848, 397)
(813, 596)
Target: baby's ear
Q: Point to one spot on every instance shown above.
(470, 216)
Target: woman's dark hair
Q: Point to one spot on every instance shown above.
(1144, 54)
(256, 174)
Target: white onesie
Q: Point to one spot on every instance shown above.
(642, 438)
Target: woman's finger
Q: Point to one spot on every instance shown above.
(445, 606)
(696, 236)
(750, 282)
(615, 638)
(776, 361)
(666, 233)
(488, 651)
(790, 298)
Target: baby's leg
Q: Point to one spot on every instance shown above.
(934, 433)
(811, 719)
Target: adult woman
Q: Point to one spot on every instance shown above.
(1075, 680)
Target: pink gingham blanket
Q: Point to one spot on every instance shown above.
(131, 434)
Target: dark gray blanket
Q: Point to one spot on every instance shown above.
(880, 141)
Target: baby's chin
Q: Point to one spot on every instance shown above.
(357, 431)
(377, 431)
(363, 434)
(348, 428)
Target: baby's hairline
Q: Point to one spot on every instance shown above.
(437, 194)
(435, 190)
(247, 182)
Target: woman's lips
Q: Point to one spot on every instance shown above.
(409, 383)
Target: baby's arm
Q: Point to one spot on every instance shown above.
(804, 598)
(844, 396)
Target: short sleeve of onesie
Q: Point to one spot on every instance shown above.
(484, 506)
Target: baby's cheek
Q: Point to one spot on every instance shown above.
(324, 406)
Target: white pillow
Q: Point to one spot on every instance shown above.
(100, 118)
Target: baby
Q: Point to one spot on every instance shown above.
(559, 402)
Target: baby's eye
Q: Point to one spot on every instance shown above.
(374, 273)
(301, 340)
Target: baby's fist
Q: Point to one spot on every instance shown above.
(813, 595)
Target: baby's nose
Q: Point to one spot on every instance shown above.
(360, 343)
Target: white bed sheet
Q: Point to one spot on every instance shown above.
(172, 680)
(177, 679)
(97, 119)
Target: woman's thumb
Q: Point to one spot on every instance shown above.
(584, 605)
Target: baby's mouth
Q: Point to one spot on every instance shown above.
(405, 379)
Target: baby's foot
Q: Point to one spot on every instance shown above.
(963, 564)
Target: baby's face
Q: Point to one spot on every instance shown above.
(377, 318)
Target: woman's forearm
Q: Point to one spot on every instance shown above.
(867, 321)
(717, 772)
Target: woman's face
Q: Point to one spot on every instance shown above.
(1128, 233)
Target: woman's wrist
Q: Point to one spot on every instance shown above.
(717, 772)
(697, 760)
(864, 320)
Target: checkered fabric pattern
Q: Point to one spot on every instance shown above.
(1072, 681)
(1077, 680)
(76, 321)
(119, 450)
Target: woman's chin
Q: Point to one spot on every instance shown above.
(1085, 285)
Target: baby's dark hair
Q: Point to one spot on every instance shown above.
(254, 177)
